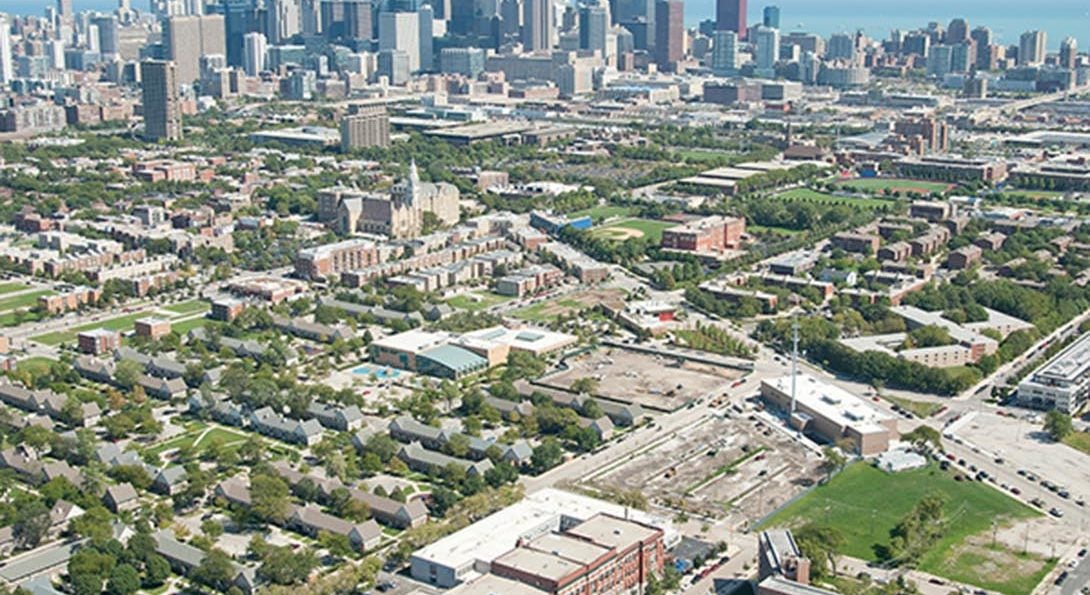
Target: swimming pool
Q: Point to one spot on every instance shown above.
(380, 373)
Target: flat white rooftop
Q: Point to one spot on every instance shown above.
(1068, 365)
(414, 341)
(530, 339)
(832, 403)
(536, 515)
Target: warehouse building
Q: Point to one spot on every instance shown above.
(831, 414)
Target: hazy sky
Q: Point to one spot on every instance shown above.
(1007, 18)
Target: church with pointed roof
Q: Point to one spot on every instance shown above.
(400, 215)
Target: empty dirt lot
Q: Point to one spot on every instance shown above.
(657, 382)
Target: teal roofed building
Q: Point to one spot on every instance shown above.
(448, 361)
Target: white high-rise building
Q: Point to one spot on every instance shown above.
(401, 31)
(538, 25)
(725, 53)
(6, 65)
(254, 53)
(1031, 48)
(284, 20)
(767, 41)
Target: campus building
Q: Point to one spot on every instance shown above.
(831, 413)
(399, 215)
(517, 545)
(1062, 383)
(334, 259)
(710, 234)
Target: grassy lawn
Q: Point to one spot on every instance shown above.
(1077, 440)
(540, 312)
(6, 288)
(604, 212)
(25, 300)
(634, 228)
(193, 439)
(476, 301)
(37, 365)
(121, 323)
(190, 307)
(808, 195)
(1033, 194)
(865, 503)
(183, 327)
(921, 409)
(699, 155)
(894, 184)
(756, 229)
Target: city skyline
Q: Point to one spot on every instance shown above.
(1059, 18)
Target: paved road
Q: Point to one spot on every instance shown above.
(1077, 578)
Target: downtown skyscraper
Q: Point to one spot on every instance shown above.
(538, 25)
(162, 116)
(730, 15)
(669, 34)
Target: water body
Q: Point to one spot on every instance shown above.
(1006, 18)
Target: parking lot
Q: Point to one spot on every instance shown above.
(1023, 445)
(657, 382)
(733, 463)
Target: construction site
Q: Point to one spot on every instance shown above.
(658, 381)
(738, 463)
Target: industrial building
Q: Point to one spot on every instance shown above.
(474, 551)
(1062, 383)
(831, 413)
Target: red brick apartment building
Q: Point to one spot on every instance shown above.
(334, 259)
(710, 234)
(602, 555)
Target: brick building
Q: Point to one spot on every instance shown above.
(604, 554)
(710, 234)
(151, 328)
(334, 259)
(98, 341)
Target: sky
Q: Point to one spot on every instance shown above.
(1007, 18)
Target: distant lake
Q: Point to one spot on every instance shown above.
(1006, 18)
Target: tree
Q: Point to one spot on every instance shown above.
(127, 373)
(283, 566)
(156, 571)
(124, 580)
(337, 545)
(585, 386)
(547, 455)
(924, 437)
(833, 461)
(457, 446)
(821, 544)
(1058, 425)
(270, 498)
(216, 570)
(31, 524)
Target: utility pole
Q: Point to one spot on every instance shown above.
(794, 357)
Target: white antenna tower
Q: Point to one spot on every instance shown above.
(794, 357)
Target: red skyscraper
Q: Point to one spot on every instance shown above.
(730, 15)
(669, 34)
